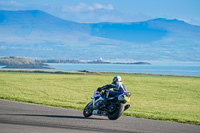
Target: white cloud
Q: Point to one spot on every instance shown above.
(10, 4)
(185, 20)
(13, 3)
(99, 6)
(98, 13)
(82, 7)
(196, 21)
(193, 21)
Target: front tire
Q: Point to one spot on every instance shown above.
(87, 112)
(117, 112)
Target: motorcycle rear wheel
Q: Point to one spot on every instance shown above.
(117, 112)
(87, 112)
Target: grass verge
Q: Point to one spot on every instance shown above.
(156, 97)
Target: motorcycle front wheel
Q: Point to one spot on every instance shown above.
(87, 112)
(117, 112)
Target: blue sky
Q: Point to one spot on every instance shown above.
(87, 11)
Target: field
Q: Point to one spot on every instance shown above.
(156, 97)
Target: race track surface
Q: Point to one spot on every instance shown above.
(18, 117)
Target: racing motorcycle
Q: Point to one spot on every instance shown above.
(114, 107)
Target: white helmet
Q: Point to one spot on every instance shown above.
(117, 78)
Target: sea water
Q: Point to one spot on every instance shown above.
(180, 68)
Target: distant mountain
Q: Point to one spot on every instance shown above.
(144, 32)
(37, 34)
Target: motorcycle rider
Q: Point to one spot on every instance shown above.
(117, 86)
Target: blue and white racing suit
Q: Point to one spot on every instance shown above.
(118, 87)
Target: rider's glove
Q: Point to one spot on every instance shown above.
(99, 89)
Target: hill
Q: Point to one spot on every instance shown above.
(37, 34)
(13, 62)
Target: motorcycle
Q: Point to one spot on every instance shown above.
(114, 107)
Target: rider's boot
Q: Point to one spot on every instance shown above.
(106, 97)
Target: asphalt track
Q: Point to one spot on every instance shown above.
(18, 117)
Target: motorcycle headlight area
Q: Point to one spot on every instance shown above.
(121, 98)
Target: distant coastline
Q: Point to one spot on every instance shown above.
(135, 63)
(20, 63)
(99, 61)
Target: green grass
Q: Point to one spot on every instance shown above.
(167, 98)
